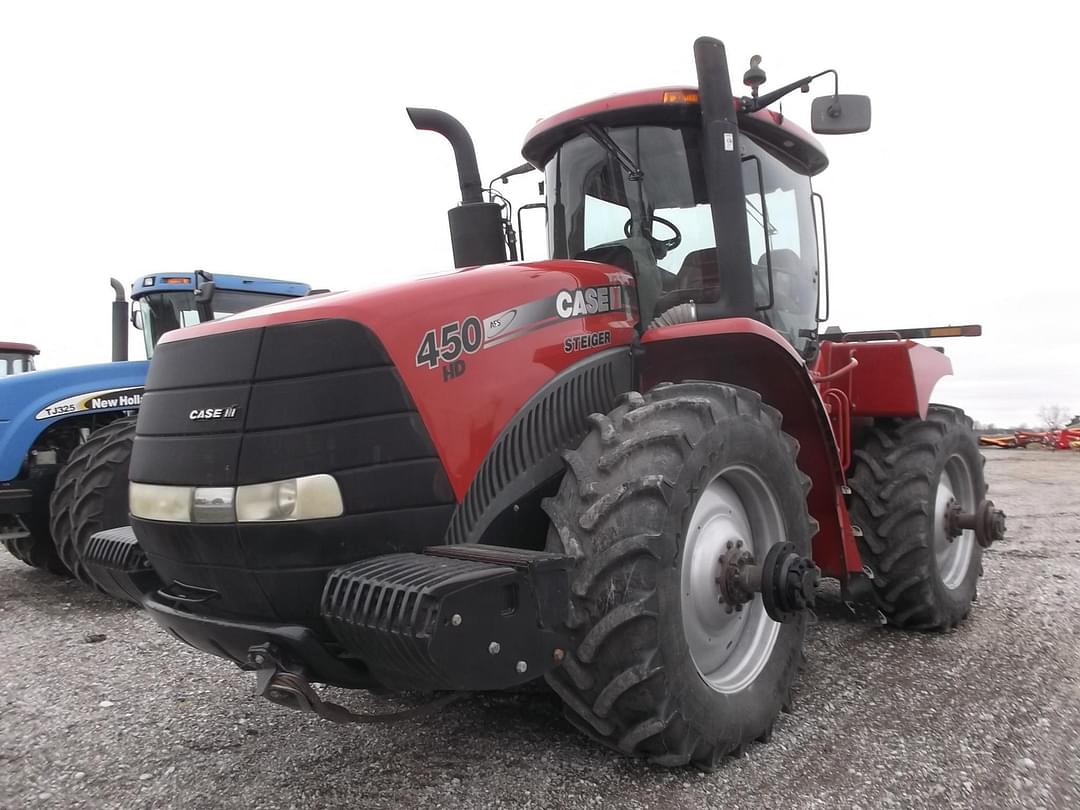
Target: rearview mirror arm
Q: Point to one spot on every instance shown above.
(749, 105)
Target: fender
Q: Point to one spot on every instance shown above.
(32, 403)
(745, 352)
(891, 378)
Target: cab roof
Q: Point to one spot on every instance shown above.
(164, 282)
(21, 348)
(672, 106)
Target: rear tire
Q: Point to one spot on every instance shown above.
(648, 673)
(91, 493)
(903, 473)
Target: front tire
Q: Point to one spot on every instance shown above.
(91, 494)
(904, 473)
(658, 667)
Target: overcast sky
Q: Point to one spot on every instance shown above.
(270, 139)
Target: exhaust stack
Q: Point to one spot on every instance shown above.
(723, 179)
(119, 323)
(476, 227)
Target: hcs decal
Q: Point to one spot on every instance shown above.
(97, 401)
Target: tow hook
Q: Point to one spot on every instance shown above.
(285, 687)
(785, 580)
(987, 522)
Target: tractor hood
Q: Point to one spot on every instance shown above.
(30, 403)
(491, 334)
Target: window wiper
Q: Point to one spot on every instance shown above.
(595, 132)
(759, 218)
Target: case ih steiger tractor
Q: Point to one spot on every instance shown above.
(65, 434)
(623, 469)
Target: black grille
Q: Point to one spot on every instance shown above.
(312, 397)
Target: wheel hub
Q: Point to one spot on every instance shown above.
(732, 603)
(987, 522)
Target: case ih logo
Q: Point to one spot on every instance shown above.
(588, 301)
(199, 414)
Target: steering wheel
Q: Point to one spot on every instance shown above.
(665, 245)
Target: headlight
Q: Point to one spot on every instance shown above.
(307, 498)
(156, 502)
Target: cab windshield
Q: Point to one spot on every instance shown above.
(664, 223)
(15, 363)
(163, 312)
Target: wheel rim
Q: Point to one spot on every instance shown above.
(728, 649)
(953, 554)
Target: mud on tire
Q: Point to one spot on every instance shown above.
(91, 493)
(623, 511)
(899, 466)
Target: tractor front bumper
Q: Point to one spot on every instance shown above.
(461, 618)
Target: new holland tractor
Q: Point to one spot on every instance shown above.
(65, 434)
(623, 469)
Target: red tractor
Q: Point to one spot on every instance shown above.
(623, 469)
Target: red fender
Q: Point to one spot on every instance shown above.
(744, 352)
(890, 378)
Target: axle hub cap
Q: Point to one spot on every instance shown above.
(729, 647)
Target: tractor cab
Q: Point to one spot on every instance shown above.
(163, 302)
(626, 184)
(16, 358)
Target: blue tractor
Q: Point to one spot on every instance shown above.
(66, 434)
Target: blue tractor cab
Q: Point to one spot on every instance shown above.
(65, 434)
(166, 301)
(16, 358)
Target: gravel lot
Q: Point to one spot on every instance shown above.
(985, 716)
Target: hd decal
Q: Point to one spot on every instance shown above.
(108, 400)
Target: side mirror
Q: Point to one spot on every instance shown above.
(136, 316)
(840, 115)
(204, 293)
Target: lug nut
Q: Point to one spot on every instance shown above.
(455, 619)
(259, 660)
(494, 648)
(521, 667)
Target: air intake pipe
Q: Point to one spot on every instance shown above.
(723, 182)
(476, 227)
(119, 323)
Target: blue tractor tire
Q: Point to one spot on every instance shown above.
(91, 494)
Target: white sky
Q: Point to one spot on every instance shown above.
(270, 139)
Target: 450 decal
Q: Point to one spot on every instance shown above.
(447, 343)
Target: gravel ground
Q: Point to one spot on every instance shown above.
(985, 716)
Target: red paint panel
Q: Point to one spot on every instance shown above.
(465, 412)
(893, 378)
(744, 352)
